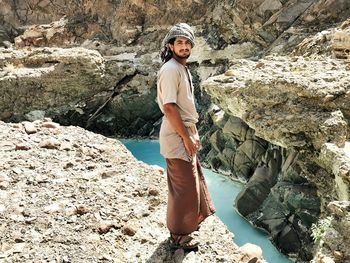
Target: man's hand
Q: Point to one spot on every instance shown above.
(173, 115)
(191, 146)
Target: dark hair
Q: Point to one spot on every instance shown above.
(166, 54)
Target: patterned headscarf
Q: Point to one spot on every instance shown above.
(179, 30)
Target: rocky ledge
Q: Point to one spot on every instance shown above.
(283, 126)
(292, 102)
(70, 195)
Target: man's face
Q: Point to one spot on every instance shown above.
(182, 47)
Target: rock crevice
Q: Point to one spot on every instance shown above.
(297, 109)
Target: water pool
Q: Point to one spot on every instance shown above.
(223, 192)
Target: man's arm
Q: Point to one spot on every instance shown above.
(173, 115)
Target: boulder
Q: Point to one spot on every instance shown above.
(255, 191)
(56, 34)
(302, 89)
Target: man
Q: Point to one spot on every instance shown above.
(189, 202)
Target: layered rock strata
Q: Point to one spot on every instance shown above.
(78, 85)
(117, 97)
(285, 130)
(331, 42)
(224, 31)
(272, 24)
(69, 195)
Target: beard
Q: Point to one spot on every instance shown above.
(182, 56)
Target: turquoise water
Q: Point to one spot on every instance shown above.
(223, 192)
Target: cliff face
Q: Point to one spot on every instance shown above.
(284, 129)
(143, 22)
(79, 86)
(295, 113)
(225, 30)
(279, 123)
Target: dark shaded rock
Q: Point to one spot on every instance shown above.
(23, 146)
(288, 240)
(247, 157)
(4, 37)
(256, 190)
(238, 129)
(128, 230)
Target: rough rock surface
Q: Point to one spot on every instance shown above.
(224, 30)
(55, 34)
(48, 79)
(127, 34)
(337, 236)
(78, 85)
(334, 41)
(277, 195)
(293, 112)
(69, 195)
(274, 24)
(303, 89)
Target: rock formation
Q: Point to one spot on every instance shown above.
(225, 30)
(78, 85)
(292, 113)
(269, 23)
(280, 123)
(69, 195)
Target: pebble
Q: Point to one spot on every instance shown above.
(128, 230)
(4, 185)
(251, 251)
(327, 260)
(29, 127)
(259, 65)
(18, 247)
(66, 146)
(289, 117)
(104, 227)
(47, 119)
(17, 125)
(153, 192)
(68, 165)
(230, 72)
(53, 208)
(107, 257)
(22, 146)
(338, 255)
(82, 209)
(51, 125)
(51, 143)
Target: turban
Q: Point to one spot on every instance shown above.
(179, 30)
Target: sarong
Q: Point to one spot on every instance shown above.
(189, 201)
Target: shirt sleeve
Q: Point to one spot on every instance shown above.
(169, 85)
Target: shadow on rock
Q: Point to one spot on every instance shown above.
(165, 254)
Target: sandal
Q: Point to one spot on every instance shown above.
(184, 242)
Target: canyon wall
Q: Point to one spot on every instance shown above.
(278, 117)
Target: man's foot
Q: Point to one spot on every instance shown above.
(184, 242)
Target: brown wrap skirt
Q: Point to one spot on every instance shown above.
(189, 201)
